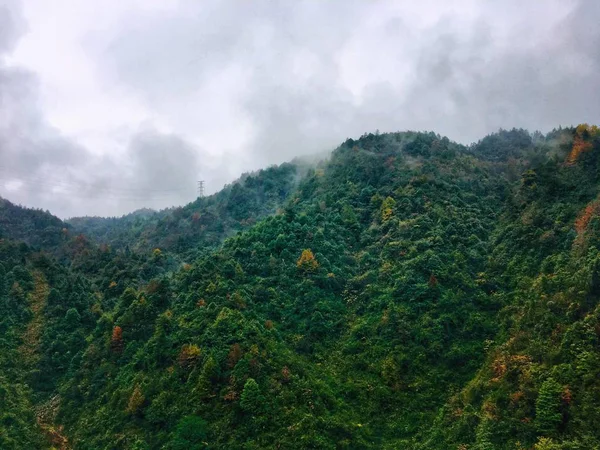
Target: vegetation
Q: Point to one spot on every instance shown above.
(410, 292)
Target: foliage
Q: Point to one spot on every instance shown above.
(410, 292)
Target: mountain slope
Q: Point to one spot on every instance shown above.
(373, 266)
(34, 227)
(409, 293)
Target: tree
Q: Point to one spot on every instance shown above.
(208, 377)
(483, 436)
(190, 434)
(547, 444)
(72, 318)
(136, 400)
(547, 408)
(307, 261)
(189, 356)
(116, 340)
(251, 400)
(234, 355)
(387, 209)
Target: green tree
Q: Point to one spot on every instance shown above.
(190, 434)
(483, 436)
(251, 400)
(548, 416)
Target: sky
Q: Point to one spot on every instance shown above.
(107, 107)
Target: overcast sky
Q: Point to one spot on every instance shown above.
(109, 106)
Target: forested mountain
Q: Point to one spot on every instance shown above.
(409, 292)
(202, 223)
(31, 226)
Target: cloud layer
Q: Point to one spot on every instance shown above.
(144, 98)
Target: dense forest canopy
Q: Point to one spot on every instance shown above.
(408, 292)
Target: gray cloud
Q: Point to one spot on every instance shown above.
(11, 25)
(29, 147)
(464, 82)
(234, 86)
(40, 167)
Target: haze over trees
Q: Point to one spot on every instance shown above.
(408, 292)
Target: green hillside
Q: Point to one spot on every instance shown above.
(409, 292)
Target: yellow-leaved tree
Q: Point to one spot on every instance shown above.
(307, 261)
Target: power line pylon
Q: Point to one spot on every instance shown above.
(201, 188)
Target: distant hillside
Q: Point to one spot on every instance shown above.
(32, 226)
(202, 223)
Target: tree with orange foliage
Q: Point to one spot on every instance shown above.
(116, 341)
(579, 146)
(586, 215)
(235, 354)
(581, 142)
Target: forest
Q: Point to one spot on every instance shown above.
(406, 292)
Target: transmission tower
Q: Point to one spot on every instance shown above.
(201, 188)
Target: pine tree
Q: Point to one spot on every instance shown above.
(547, 408)
(251, 400)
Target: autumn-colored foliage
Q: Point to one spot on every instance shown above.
(116, 340)
(286, 373)
(235, 354)
(567, 395)
(581, 142)
(516, 397)
(586, 215)
(231, 395)
(499, 368)
(579, 146)
(188, 356)
(136, 400)
(387, 209)
(307, 261)
(432, 281)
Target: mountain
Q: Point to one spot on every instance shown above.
(202, 223)
(409, 292)
(31, 226)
